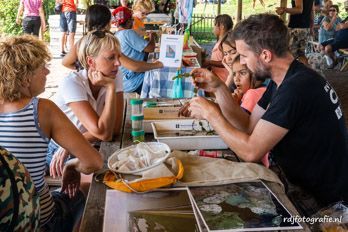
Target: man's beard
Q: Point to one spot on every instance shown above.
(262, 73)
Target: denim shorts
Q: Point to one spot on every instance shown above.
(68, 21)
(68, 212)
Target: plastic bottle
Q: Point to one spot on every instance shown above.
(137, 118)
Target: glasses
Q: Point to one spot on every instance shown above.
(333, 10)
(144, 13)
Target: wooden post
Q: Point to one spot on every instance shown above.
(219, 7)
(239, 10)
(283, 3)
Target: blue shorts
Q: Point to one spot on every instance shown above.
(68, 22)
(68, 212)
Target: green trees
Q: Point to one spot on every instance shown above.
(8, 13)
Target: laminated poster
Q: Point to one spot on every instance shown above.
(171, 50)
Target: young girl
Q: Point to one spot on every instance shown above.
(228, 48)
(93, 97)
(248, 90)
(29, 123)
(141, 9)
(223, 23)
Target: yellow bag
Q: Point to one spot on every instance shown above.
(167, 173)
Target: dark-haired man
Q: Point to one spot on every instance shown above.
(298, 119)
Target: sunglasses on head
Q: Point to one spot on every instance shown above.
(100, 34)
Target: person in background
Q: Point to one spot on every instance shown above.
(300, 24)
(340, 41)
(299, 117)
(222, 24)
(34, 16)
(141, 8)
(29, 123)
(133, 46)
(67, 23)
(124, 3)
(98, 17)
(328, 25)
(92, 98)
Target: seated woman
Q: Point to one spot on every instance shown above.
(141, 8)
(93, 97)
(29, 123)
(328, 25)
(340, 41)
(98, 17)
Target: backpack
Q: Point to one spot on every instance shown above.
(19, 201)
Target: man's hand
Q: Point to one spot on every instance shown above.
(202, 108)
(71, 181)
(57, 163)
(184, 110)
(206, 80)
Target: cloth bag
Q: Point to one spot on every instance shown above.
(164, 174)
(204, 171)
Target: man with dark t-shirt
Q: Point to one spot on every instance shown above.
(298, 119)
(300, 23)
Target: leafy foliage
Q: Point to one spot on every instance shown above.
(8, 13)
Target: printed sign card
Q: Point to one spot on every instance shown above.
(171, 50)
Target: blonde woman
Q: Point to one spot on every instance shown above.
(92, 98)
(141, 9)
(29, 123)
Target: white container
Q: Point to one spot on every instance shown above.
(189, 142)
(183, 123)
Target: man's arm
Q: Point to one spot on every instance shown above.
(250, 147)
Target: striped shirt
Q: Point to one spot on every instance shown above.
(21, 135)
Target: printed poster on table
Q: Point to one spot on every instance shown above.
(171, 50)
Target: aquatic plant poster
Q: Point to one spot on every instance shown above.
(167, 210)
(248, 206)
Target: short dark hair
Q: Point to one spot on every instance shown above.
(264, 31)
(224, 20)
(97, 17)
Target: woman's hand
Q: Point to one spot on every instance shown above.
(224, 63)
(98, 79)
(71, 181)
(57, 163)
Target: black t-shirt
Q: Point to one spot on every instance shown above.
(302, 20)
(313, 154)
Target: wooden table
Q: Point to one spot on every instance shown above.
(93, 215)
